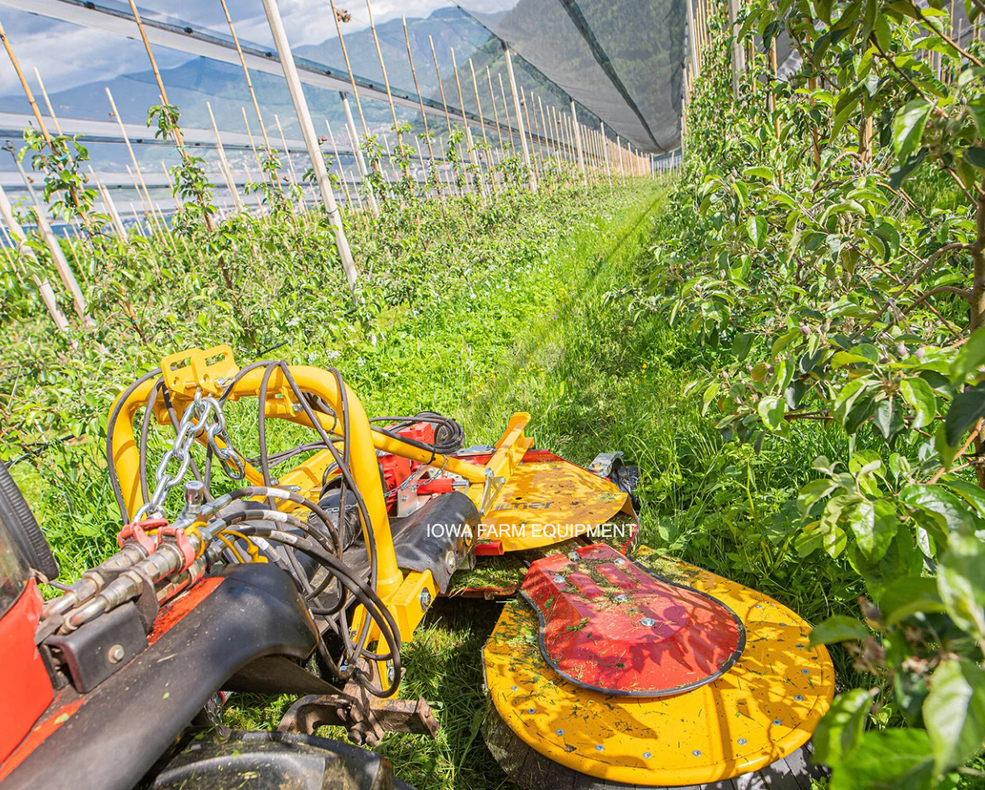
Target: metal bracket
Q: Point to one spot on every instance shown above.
(364, 716)
(604, 462)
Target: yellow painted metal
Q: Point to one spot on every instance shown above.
(764, 708)
(211, 370)
(549, 501)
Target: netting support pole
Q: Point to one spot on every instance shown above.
(519, 122)
(692, 39)
(738, 55)
(581, 153)
(310, 139)
(605, 151)
(358, 153)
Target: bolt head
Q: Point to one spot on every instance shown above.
(116, 654)
(425, 599)
(648, 622)
(559, 580)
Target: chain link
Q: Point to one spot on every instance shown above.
(204, 415)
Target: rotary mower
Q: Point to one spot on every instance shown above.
(304, 569)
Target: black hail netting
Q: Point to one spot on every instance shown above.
(619, 58)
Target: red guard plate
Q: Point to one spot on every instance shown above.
(608, 625)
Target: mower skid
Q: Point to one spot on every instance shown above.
(754, 717)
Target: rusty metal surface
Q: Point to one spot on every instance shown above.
(763, 709)
(608, 625)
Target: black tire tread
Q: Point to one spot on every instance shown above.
(24, 529)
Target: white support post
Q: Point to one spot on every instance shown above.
(519, 122)
(605, 151)
(310, 139)
(358, 154)
(581, 153)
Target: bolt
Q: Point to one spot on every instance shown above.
(390, 672)
(573, 555)
(559, 580)
(648, 622)
(696, 752)
(425, 599)
(799, 698)
(777, 722)
(599, 748)
(622, 598)
(450, 562)
(194, 497)
(742, 741)
(560, 732)
(115, 654)
(647, 755)
(619, 561)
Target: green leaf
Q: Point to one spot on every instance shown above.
(908, 596)
(970, 358)
(920, 396)
(841, 728)
(709, 396)
(758, 172)
(772, 410)
(846, 398)
(757, 228)
(843, 358)
(953, 512)
(874, 525)
(741, 345)
(975, 157)
(893, 759)
(961, 582)
(812, 492)
(954, 713)
(945, 451)
(883, 418)
(908, 127)
(838, 629)
(965, 411)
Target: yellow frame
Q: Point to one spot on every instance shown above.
(208, 370)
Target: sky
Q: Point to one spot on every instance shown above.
(67, 55)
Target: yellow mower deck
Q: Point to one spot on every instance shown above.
(763, 709)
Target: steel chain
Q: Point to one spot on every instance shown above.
(194, 421)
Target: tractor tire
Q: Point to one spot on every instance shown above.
(16, 516)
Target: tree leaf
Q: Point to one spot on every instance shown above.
(709, 396)
(772, 410)
(839, 628)
(920, 396)
(841, 728)
(874, 525)
(908, 127)
(970, 358)
(965, 411)
(955, 514)
(893, 759)
(954, 713)
(756, 226)
(812, 492)
(961, 582)
(908, 596)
